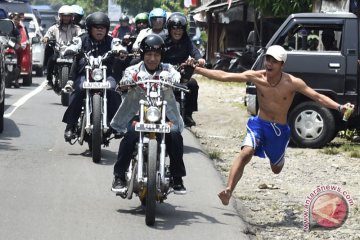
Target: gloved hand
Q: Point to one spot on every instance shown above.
(187, 71)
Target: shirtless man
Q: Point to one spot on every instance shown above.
(268, 132)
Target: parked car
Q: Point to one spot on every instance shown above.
(16, 6)
(6, 26)
(332, 71)
(38, 48)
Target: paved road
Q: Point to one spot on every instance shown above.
(48, 190)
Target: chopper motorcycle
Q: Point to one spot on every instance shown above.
(92, 126)
(148, 175)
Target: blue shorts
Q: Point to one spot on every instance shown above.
(268, 139)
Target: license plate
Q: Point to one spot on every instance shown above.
(10, 61)
(96, 85)
(64, 60)
(152, 127)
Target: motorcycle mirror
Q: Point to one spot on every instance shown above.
(35, 40)
(11, 43)
(6, 26)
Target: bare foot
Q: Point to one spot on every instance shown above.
(225, 196)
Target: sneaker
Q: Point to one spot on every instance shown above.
(118, 185)
(179, 187)
(49, 86)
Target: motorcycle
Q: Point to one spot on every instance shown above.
(223, 60)
(62, 70)
(148, 175)
(92, 126)
(242, 61)
(12, 69)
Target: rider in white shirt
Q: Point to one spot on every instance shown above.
(157, 20)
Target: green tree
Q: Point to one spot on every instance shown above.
(134, 7)
(281, 8)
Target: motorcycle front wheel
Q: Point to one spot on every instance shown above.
(97, 128)
(151, 183)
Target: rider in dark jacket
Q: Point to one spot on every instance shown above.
(179, 48)
(98, 42)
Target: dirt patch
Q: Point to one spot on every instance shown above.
(272, 204)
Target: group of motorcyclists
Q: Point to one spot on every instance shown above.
(155, 44)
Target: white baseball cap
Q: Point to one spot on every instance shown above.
(277, 52)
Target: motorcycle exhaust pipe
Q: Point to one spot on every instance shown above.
(68, 87)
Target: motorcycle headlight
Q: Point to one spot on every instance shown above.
(97, 74)
(153, 114)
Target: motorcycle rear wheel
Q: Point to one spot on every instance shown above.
(151, 183)
(97, 129)
(64, 78)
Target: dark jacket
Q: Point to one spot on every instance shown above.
(98, 49)
(177, 53)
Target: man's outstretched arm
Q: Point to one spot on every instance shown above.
(226, 76)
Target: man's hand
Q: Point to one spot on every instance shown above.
(342, 108)
(45, 40)
(191, 62)
(201, 62)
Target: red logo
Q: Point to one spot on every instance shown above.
(329, 209)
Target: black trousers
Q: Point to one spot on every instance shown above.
(174, 147)
(51, 66)
(73, 111)
(191, 98)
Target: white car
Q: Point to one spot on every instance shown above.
(38, 49)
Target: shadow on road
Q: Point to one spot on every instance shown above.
(107, 157)
(11, 130)
(169, 216)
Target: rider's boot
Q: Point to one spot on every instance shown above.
(189, 121)
(69, 132)
(119, 185)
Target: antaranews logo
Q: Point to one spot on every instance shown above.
(326, 207)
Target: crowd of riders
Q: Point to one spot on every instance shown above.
(157, 33)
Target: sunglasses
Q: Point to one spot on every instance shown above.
(177, 28)
(100, 27)
(157, 20)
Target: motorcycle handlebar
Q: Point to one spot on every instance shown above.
(157, 81)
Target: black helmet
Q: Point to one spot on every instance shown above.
(124, 18)
(176, 19)
(97, 18)
(152, 42)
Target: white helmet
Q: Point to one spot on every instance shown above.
(65, 10)
(77, 10)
